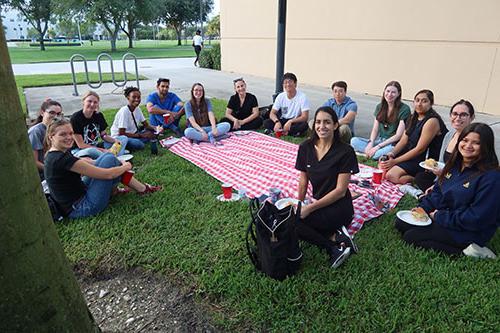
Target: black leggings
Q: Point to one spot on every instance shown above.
(296, 128)
(254, 124)
(319, 226)
(432, 237)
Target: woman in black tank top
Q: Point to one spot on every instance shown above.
(423, 137)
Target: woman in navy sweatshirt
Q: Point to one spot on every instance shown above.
(464, 202)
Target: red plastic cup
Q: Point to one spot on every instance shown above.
(166, 117)
(278, 133)
(227, 190)
(377, 176)
(127, 176)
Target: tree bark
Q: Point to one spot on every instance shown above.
(38, 290)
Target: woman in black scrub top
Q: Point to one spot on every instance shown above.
(327, 163)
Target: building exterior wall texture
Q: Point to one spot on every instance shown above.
(448, 46)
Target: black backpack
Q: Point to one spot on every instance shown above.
(272, 241)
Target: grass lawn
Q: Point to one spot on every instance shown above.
(46, 80)
(184, 232)
(142, 49)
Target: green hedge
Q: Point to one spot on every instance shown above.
(210, 57)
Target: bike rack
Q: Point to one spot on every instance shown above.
(99, 84)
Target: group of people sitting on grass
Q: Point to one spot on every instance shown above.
(460, 198)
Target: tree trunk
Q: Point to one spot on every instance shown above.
(42, 35)
(178, 31)
(130, 33)
(38, 290)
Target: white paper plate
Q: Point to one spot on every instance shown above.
(440, 165)
(234, 197)
(364, 175)
(407, 216)
(241, 133)
(282, 203)
(125, 158)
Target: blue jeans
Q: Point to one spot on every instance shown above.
(194, 134)
(98, 192)
(155, 120)
(94, 153)
(136, 143)
(359, 145)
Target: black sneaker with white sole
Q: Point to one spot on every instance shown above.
(338, 255)
(343, 236)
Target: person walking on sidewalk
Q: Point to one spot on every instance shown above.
(198, 45)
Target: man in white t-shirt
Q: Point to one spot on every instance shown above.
(290, 111)
(130, 121)
(198, 45)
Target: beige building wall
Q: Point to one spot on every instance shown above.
(448, 46)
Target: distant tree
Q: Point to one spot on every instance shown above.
(140, 11)
(177, 13)
(213, 27)
(33, 33)
(109, 13)
(66, 27)
(37, 12)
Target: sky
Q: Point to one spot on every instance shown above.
(216, 9)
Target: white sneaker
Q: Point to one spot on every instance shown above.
(413, 191)
(477, 251)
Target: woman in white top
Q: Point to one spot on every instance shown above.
(198, 45)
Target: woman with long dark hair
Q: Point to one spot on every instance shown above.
(422, 138)
(461, 115)
(76, 197)
(327, 162)
(201, 118)
(388, 125)
(49, 111)
(463, 205)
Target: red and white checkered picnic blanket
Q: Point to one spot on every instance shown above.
(257, 162)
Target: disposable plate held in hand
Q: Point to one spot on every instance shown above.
(364, 174)
(407, 216)
(440, 166)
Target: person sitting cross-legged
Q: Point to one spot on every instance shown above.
(242, 111)
(290, 110)
(130, 122)
(202, 123)
(163, 102)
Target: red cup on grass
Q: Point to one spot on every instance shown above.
(278, 133)
(127, 176)
(377, 176)
(166, 118)
(227, 190)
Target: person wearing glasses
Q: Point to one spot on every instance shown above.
(163, 102)
(49, 111)
(461, 115)
(242, 111)
(202, 123)
(290, 111)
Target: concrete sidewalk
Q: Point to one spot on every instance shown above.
(217, 84)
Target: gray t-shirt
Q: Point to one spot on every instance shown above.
(36, 135)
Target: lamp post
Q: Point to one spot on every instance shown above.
(280, 49)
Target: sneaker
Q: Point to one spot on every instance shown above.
(343, 236)
(477, 251)
(413, 191)
(149, 189)
(126, 152)
(178, 133)
(338, 255)
(267, 131)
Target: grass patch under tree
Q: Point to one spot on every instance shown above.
(24, 54)
(183, 231)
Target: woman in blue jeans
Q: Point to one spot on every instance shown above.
(63, 171)
(201, 118)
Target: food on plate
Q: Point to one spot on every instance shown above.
(419, 214)
(431, 163)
